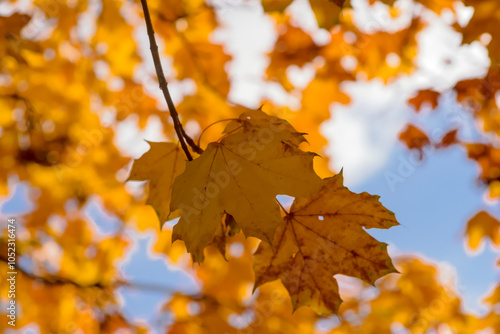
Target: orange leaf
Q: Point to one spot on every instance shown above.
(322, 236)
(482, 226)
(448, 139)
(414, 138)
(425, 97)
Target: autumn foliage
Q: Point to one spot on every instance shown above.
(77, 77)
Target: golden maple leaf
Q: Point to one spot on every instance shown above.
(160, 165)
(322, 236)
(414, 138)
(483, 226)
(426, 96)
(241, 175)
(488, 158)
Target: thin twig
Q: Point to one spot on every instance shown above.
(163, 86)
(191, 142)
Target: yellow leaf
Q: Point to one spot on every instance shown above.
(160, 165)
(241, 175)
(481, 226)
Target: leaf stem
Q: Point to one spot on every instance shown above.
(181, 134)
(219, 121)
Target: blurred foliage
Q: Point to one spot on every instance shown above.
(66, 87)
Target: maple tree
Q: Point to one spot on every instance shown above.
(66, 91)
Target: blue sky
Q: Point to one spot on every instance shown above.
(433, 206)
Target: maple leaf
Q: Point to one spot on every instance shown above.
(423, 97)
(160, 165)
(257, 120)
(488, 158)
(414, 138)
(241, 175)
(322, 236)
(448, 139)
(483, 225)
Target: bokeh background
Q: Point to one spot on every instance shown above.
(75, 61)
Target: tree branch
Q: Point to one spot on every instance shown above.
(52, 280)
(181, 134)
